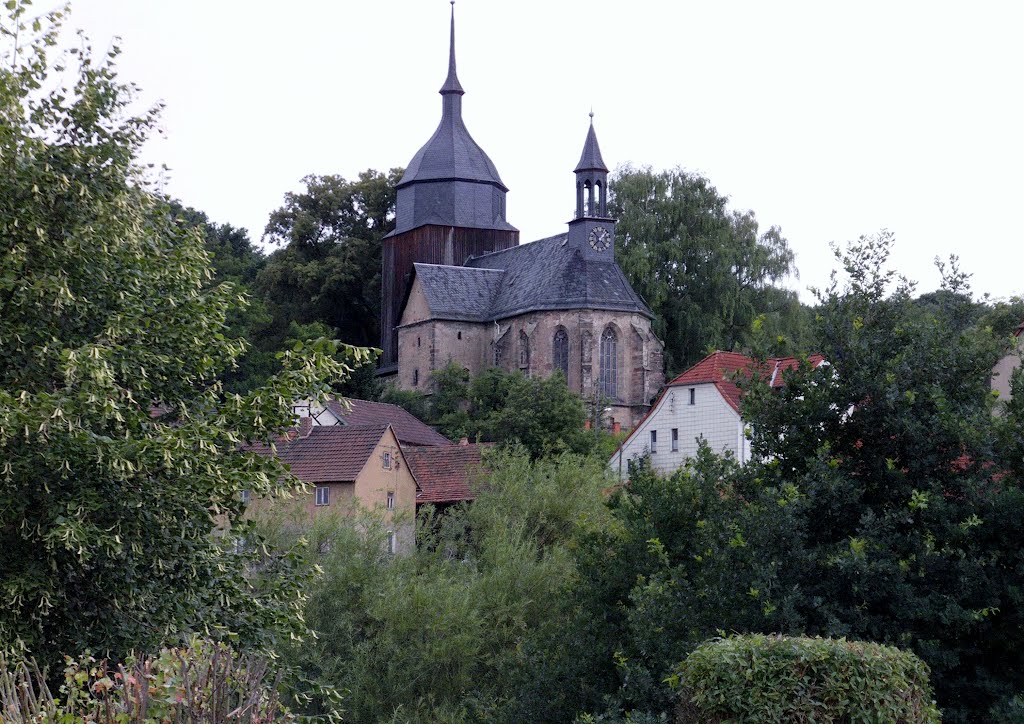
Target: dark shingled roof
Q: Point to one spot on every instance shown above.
(545, 274)
(590, 159)
(459, 293)
(445, 474)
(408, 429)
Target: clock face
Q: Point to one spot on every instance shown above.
(599, 239)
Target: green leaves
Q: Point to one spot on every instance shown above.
(120, 499)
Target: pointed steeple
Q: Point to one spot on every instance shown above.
(591, 159)
(451, 83)
(451, 181)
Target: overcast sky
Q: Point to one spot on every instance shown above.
(830, 120)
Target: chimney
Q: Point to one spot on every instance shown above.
(464, 441)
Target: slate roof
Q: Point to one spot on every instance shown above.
(335, 453)
(541, 275)
(720, 369)
(591, 160)
(459, 293)
(408, 429)
(445, 474)
(451, 153)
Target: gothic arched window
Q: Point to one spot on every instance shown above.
(560, 352)
(524, 351)
(608, 375)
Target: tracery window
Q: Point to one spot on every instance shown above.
(524, 351)
(560, 352)
(609, 372)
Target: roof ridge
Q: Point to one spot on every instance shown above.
(457, 266)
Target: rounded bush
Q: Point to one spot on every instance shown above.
(758, 678)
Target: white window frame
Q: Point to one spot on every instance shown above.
(391, 500)
(675, 439)
(387, 460)
(654, 441)
(693, 395)
(323, 495)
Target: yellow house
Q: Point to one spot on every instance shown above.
(359, 464)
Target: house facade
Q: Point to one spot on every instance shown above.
(701, 404)
(459, 288)
(349, 468)
(1002, 373)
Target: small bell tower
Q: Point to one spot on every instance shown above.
(592, 231)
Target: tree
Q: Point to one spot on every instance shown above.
(541, 414)
(328, 269)
(122, 462)
(707, 272)
(911, 488)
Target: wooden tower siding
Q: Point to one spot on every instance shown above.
(426, 244)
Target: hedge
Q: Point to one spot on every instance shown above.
(758, 678)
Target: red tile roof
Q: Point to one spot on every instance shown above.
(721, 368)
(445, 474)
(331, 454)
(408, 429)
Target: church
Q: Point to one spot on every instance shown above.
(458, 287)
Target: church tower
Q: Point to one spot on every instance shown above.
(450, 207)
(592, 231)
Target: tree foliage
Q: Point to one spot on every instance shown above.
(706, 271)
(122, 472)
(883, 504)
(461, 629)
(328, 267)
(541, 414)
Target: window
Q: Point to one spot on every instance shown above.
(391, 500)
(607, 380)
(459, 335)
(560, 352)
(246, 496)
(693, 395)
(387, 461)
(417, 341)
(391, 541)
(654, 441)
(675, 439)
(415, 377)
(323, 495)
(524, 351)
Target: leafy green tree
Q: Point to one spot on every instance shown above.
(328, 267)
(461, 629)
(706, 271)
(913, 501)
(541, 414)
(235, 259)
(122, 464)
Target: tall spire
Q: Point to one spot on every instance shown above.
(451, 83)
(591, 159)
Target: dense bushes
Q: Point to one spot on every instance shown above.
(204, 682)
(760, 678)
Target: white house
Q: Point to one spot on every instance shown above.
(701, 403)
(1003, 370)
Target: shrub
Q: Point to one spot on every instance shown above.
(205, 682)
(758, 678)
